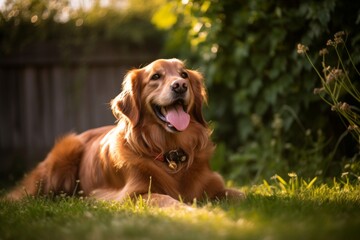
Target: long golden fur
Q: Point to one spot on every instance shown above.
(128, 159)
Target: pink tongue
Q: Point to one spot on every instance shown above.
(178, 118)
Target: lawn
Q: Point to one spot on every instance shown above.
(281, 210)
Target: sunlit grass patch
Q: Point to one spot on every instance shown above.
(271, 211)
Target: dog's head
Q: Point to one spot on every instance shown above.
(165, 91)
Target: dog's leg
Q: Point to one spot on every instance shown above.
(163, 201)
(57, 173)
(152, 199)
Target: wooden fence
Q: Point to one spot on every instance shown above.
(42, 99)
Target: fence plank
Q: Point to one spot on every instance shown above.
(42, 100)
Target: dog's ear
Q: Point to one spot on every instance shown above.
(200, 94)
(128, 102)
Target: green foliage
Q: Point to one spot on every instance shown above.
(23, 23)
(264, 113)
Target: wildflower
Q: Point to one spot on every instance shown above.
(323, 52)
(353, 127)
(344, 174)
(326, 69)
(330, 78)
(337, 72)
(344, 106)
(339, 34)
(302, 49)
(292, 175)
(335, 107)
(333, 75)
(338, 40)
(338, 37)
(318, 90)
(330, 43)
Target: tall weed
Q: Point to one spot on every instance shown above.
(339, 79)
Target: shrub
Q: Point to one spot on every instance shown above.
(23, 23)
(265, 116)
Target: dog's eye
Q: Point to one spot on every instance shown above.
(156, 76)
(184, 75)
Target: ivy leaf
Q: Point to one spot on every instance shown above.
(255, 86)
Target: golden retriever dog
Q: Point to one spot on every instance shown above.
(159, 149)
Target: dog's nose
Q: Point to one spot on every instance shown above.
(179, 86)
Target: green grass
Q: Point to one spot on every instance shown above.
(281, 210)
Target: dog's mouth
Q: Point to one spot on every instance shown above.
(175, 116)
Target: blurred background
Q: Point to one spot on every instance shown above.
(61, 61)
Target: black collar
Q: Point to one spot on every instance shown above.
(173, 158)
